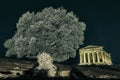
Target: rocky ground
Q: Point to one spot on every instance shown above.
(15, 69)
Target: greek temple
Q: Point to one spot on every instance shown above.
(94, 55)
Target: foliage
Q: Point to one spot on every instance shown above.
(53, 31)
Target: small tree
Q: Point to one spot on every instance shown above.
(45, 62)
(54, 31)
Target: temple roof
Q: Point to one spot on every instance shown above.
(92, 47)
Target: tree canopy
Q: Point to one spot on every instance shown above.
(54, 31)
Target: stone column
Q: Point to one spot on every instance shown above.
(110, 59)
(93, 57)
(88, 57)
(110, 62)
(84, 58)
(103, 59)
(80, 58)
(98, 57)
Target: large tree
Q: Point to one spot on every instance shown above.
(53, 31)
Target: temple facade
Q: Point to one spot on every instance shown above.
(94, 55)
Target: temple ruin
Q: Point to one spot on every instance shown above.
(94, 55)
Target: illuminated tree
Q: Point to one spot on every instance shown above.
(53, 31)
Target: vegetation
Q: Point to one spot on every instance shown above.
(53, 31)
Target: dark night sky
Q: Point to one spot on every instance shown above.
(102, 18)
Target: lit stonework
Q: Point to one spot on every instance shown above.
(94, 55)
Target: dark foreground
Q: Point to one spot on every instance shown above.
(12, 69)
